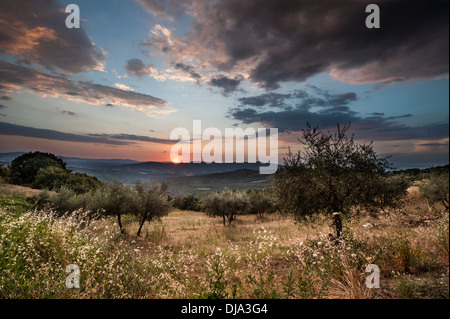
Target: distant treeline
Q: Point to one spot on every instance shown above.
(419, 174)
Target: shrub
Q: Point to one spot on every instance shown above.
(67, 201)
(51, 178)
(4, 172)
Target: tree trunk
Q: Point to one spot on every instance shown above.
(122, 231)
(142, 224)
(223, 219)
(230, 219)
(337, 224)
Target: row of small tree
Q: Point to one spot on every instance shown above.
(229, 203)
(148, 202)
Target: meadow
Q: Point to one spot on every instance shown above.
(190, 255)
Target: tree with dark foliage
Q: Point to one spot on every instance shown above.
(24, 169)
(334, 174)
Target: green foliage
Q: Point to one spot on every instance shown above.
(4, 172)
(226, 203)
(436, 189)
(188, 202)
(24, 169)
(67, 201)
(114, 199)
(334, 174)
(82, 183)
(152, 202)
(51, 178)
(260, 202)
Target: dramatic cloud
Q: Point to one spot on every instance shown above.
(14, 77)
(35, 32)
(2, 107)
(270, 42)
(225, 84)
(325, 109)
(137, 68)
(302, 100)
(270, 99)
(111, 139)
(189, 70)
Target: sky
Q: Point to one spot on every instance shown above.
(135, 70)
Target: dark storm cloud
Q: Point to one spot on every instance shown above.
(302, 99)
(15, 77)
(325, 109)
(380, 129)
(2, 106)
(225, 84)
(189, 70)
(137, 68)
(281, 41)
(35, 32)
(5, 98)
(270, 99)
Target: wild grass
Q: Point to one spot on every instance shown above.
(189, 255)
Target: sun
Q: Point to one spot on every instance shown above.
(176, 161)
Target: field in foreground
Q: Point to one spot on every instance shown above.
(189, 255)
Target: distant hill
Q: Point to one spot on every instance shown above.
(129, 171)
(184, 178)
(201, 184)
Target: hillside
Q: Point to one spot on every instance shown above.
(200, 184)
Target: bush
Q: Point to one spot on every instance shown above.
(51, 178)
(67, 201)
(226, 204)
(4, 172)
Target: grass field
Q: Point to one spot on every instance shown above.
(190, 255)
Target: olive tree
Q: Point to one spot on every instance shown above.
(226, 203)
(260, 202)
(333, 175)
(153, 202)
(115, 199)
(435, 189)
